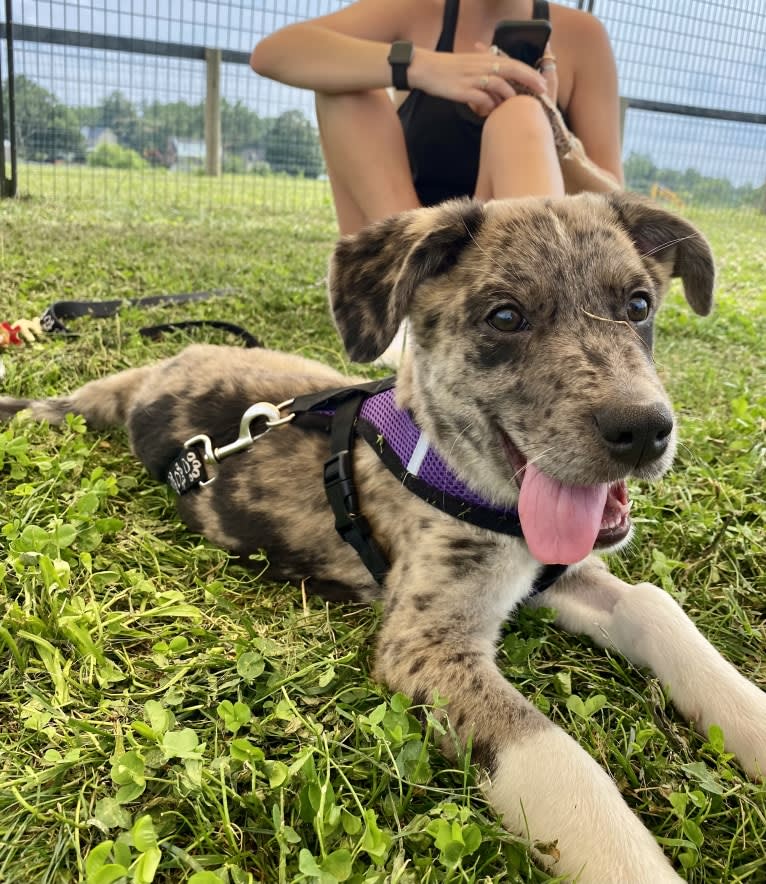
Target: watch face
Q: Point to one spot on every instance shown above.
(401, 52)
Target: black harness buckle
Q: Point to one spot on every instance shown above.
(350, 524)
(341, 492)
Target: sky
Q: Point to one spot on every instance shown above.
(705, 53)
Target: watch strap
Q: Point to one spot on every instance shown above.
(399, 57)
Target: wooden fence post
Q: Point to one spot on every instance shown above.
(624, 105)
(213, 113)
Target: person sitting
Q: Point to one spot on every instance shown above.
(464, 127)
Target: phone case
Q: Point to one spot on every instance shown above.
(523, 40)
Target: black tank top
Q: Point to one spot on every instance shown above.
(443, 137)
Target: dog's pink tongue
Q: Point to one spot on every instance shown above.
(560, 522)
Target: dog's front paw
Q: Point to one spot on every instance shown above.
(744, 733)
(649, 627)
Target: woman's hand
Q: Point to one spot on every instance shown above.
(546, 68)
(480, 79)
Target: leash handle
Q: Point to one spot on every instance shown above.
(154, 332)
(53, 317)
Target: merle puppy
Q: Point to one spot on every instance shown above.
(486, 479)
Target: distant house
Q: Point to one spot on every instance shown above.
(185, 155)
(250, 157)
(95, 136)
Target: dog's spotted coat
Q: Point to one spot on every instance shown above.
(531, 327)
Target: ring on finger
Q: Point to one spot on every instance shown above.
(547, 66)
(484, 82)
(496, 67)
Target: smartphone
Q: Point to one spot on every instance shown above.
(524, 40)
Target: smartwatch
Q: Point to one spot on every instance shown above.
(399, 58)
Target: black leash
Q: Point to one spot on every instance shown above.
(155, 332)
(53, 320)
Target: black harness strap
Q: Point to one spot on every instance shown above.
(547, 577)
(341, 492)
(336, 412)
(330, 399)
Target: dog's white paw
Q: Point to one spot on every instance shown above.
(549, 789)
(744, 732)
(650, 628)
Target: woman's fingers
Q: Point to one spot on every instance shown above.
(496, 86)
(459, 76)
(492, 91)
(517, 71)
(513, 69)
(494, 78)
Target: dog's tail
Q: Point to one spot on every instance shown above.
(103, 403)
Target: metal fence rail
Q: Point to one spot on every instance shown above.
(99, 84)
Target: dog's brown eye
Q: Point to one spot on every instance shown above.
(638, 307)
(507, 319)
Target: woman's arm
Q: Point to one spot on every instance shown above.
(347, 51)
(342, 52)
(594, 105)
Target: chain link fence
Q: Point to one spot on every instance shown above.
(166, 97)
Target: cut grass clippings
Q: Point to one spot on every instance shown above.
(167, 715)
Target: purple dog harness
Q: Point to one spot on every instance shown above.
(407, 452)
(369, 410)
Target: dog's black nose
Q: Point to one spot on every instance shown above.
(635, 434)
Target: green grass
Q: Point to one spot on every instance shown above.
(162, 708)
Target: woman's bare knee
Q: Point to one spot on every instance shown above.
(519, 117)
(518, 153)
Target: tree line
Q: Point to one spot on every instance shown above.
(48, 130)
(690, 186)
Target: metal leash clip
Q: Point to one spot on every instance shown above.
(246, 438)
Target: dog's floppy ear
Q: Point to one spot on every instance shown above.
(374, 273)
(672, 242)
